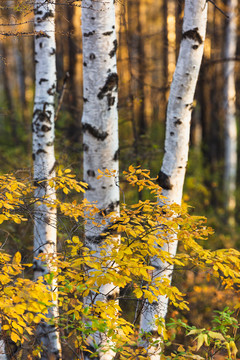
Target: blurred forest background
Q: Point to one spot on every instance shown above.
(149, 35)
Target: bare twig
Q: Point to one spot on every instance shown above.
(218, 8)
(61, 96)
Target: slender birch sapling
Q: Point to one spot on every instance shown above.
(45, 221)
(172, 173)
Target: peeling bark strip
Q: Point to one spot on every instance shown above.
(172, 173)
(100, 138)
(44, 162)
(99, 135)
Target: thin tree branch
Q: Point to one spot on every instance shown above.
(61, 96)
(218, 8)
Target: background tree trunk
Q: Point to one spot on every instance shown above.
(100, 129)
(230, 173)
(45, 224)
(172, 173)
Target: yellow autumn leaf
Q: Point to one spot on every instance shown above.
(2, 218)
(17, 258)
(14, 337)
(17, 220)
(138, 292)
(233, 349)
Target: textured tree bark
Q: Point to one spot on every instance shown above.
(45, 221)
(172, 173)
(3, 355)
(100, 130)
(230, 173)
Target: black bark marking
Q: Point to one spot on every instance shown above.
(36, 61)
(189, 106)
(116, 155)
(48, 15)
(111, 83)
(85, 100)
(42, 115)
(113, 27)
(93, 18)
(107, 33)
(40, 151)
(111, 207)
(92, 56)
(90, 33)
(41, 183)
(99, 135)
(51, 90)
(91, 173)
(37, 266)
(42, 34)
(171, 133)
(45, 128)
(33, 157)
(52, 52)
(114, 49)
(85, 147)
(42, 80)
(111, 100)
(113, 296)
(164, 181)
(193, 35)
(40, 45)
(53, 167)
(50, 143)
(179, 98)
(195, 47)
(84, 64)
(37, 12)
(103, 187)
(177, 122)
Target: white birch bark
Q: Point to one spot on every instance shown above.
(3, 355)
(172, 174)
(230, 173)
(100, 129)
(45, 221)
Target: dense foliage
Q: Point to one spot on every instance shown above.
(144, 226)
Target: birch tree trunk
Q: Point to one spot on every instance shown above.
(100, 130)
(45, 222)
(230, 173)
(172, 173)
(3, 355)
